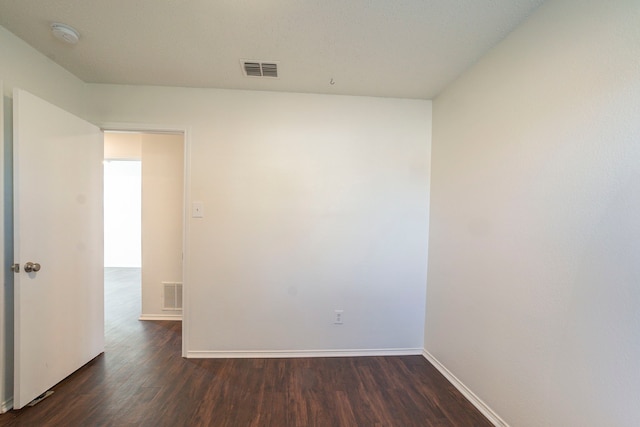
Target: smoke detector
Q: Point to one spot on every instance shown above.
(65, 33)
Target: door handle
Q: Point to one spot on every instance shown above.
(31, 266)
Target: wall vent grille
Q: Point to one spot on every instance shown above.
(253, 68)
(172, 296)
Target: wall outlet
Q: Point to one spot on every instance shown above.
(337, 317)
(197, 210)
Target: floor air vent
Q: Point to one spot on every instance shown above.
(260, 69)
(172, 296)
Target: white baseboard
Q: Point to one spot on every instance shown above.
(160, 317)
(466, 392)
(270, 354)
(6, 406)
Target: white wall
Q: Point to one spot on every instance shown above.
(23, 67)
(312, 203)
(162, 219)
(533, 292)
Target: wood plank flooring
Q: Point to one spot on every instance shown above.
(141, 380)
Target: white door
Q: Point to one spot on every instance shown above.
(59, 309)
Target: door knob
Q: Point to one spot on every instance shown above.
(31, 266)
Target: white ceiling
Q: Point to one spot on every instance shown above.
(387, 48)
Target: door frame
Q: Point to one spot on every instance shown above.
(185, 131)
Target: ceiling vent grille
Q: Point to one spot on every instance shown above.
(260, 69)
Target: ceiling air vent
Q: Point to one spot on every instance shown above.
(260, 69)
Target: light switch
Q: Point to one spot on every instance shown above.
(197, 210)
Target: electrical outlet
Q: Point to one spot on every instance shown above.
(197, 210)
(337, 317)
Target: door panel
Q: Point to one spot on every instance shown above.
(59, 310)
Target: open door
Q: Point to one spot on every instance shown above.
(59, 297)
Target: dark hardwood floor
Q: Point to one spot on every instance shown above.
(141, 380)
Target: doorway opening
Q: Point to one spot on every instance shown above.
(143, 205)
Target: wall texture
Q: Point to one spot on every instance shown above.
(23, 67)
(311, 203)
(162, 219)
(533, 294)
(122, 145)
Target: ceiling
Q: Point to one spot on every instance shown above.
(386, 48)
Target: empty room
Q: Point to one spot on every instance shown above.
(394, 213)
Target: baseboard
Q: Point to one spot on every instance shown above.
(270, 354)
(466, 392)
(160, 317)
(6, 406)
